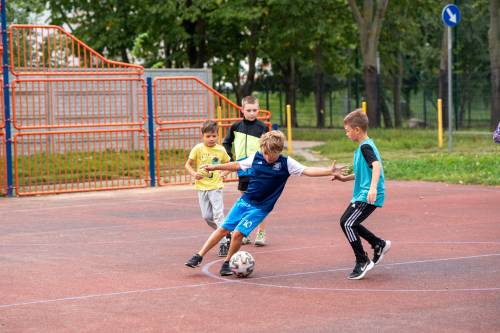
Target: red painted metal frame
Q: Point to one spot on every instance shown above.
(229, 113)
(18, 105)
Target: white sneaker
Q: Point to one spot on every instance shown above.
(260, 239)
(245, 241)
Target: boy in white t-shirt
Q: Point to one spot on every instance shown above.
(269, 172)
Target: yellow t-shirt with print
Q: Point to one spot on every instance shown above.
(202, 154)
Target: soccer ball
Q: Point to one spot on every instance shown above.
(242, 264)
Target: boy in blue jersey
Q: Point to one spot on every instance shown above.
(368, 194)
(269, 172)
(243, 136)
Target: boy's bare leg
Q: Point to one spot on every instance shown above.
(235, 244)
(214, 239)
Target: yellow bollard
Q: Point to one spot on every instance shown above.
(440, 122)
(289, 128)
(363, 106)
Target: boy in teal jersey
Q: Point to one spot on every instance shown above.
(368, 194)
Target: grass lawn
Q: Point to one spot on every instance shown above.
(414, 155)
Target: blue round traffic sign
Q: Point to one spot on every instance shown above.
(451, 15)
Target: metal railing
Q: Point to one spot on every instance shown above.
(50, 50)
(181, 105)
(78, 161)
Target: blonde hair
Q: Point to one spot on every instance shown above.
(357, 118)
(272, 142)
(249, 100)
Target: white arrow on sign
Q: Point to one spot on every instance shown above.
(453, 17)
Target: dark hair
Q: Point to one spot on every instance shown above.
(209, 126)
(357, 118)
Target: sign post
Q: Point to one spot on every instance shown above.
(451, 17)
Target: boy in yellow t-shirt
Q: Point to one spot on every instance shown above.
(209, 184)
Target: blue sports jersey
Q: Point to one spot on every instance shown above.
(363, 176)
(267, 181)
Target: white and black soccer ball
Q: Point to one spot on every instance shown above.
(242, 264)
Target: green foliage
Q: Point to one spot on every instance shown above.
(414, 155)
(23, 11)
(74, 167)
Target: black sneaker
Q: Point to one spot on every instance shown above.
(194, 261)
(223, 248)
(380, 250)
(361, 269)
(225, 270)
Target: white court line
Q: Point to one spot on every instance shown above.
(119, 293)
(249, 281)
(222, 280)
(149, 240)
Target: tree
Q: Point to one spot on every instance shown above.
(237, 29)
(408, 56)
(23, 11)
(369, 26)
(327, 26)
(110, 27)
(494, 41)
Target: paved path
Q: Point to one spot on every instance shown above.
(304, 149)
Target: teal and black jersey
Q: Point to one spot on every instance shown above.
(364, 156)
(244, 137)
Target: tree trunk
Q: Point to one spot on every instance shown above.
(370, 25)
(494, 44)
(191, 51)
(247, 88)
(396, 92)
(319, 87)
(166, 49)
(124, 55)
(384, 109)
(201, 27)
(370, 75)
(290, 96)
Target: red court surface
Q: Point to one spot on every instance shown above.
(114, 262)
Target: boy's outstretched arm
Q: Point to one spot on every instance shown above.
(231, 166)
(343, 178)
(320, 172)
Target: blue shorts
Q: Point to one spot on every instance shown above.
(244, 217)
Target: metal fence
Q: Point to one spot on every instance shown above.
(83, 123)
(181, 105)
